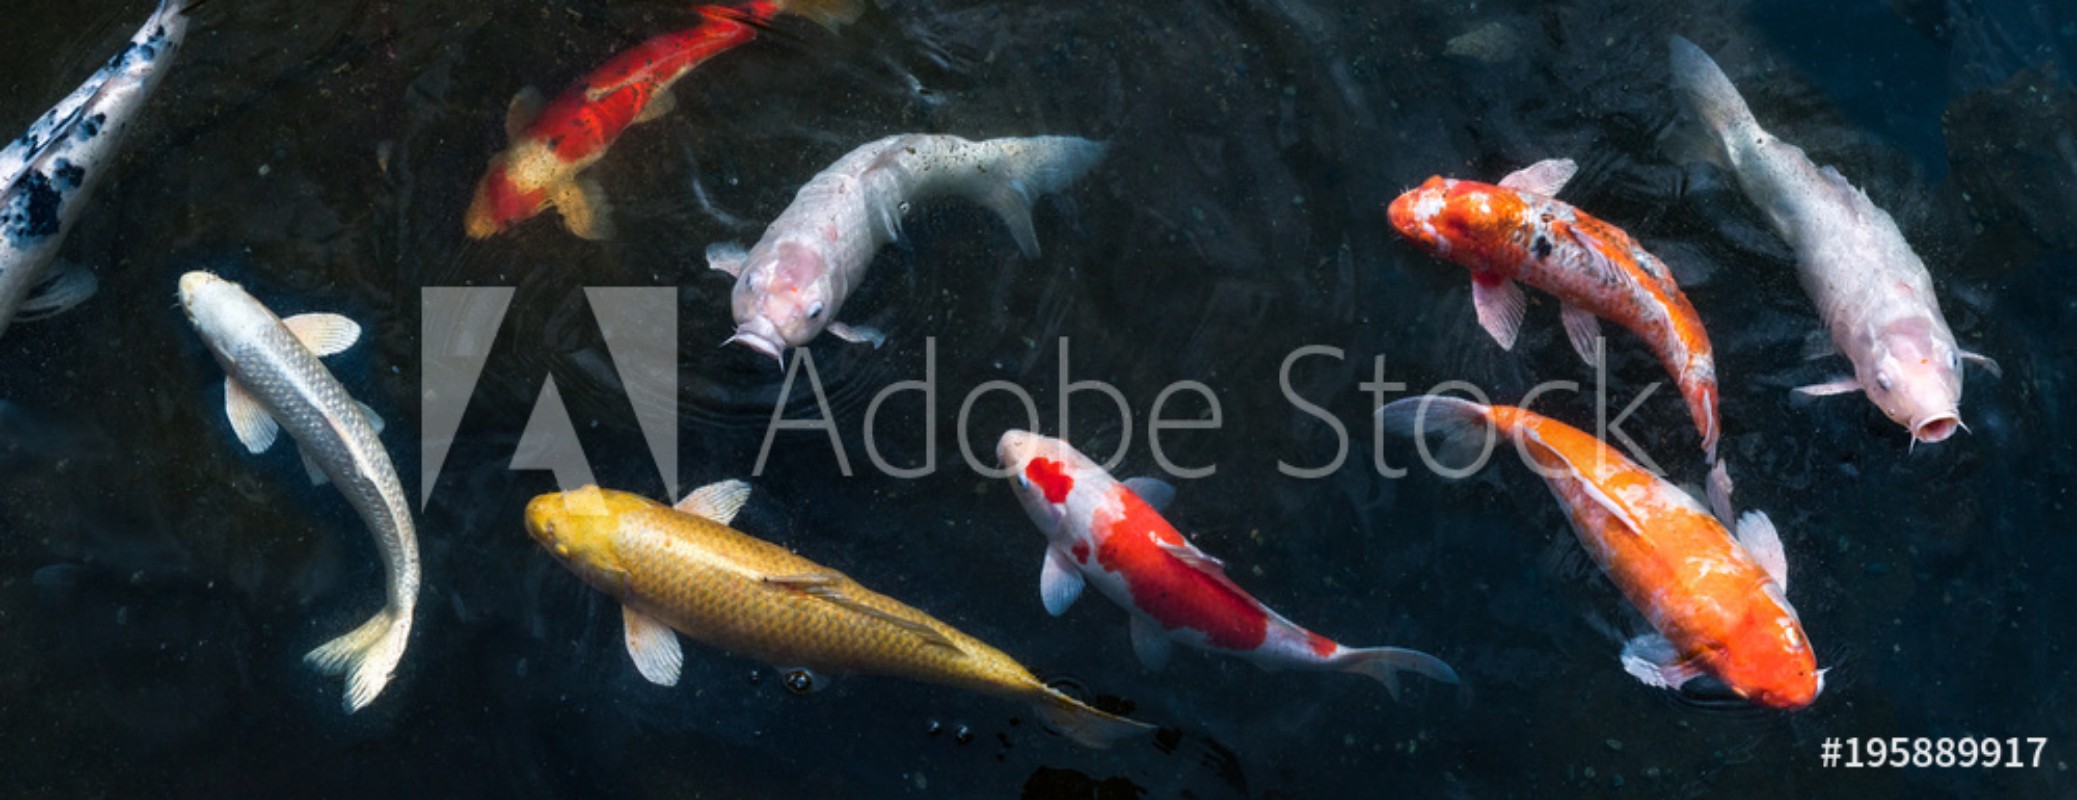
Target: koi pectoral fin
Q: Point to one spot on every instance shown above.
(727, 257)
(1585, 332)
(1156, 492)
(584, 208)
(661, 103)
(249, 420)
(1837, 386)
(1500, 308)
(1060, 582)
(1652, 660)
(859, 334)
(716, 501)
(525, 106)
(1986, 362)
(1150, 642)
(829, 586)
(1543, 177)
(653, 646)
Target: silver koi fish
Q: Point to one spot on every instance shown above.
(1871, 290)
(274, 382)
(50, 170)
(790, 286)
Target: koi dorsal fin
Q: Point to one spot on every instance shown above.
(1543, 177)
(829, 586)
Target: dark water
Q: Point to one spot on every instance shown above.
(158, 585)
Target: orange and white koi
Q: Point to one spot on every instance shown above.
(552, 145)
(1870, 288)
(1099, 530)
(1516, 231)
(1718, 604)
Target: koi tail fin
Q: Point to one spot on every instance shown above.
(1086, 725)
(1018, 171)
(1462, 423)
(1701, 400)
(367, 657)
(1710, 97)
(831, 14)
(1385, 663)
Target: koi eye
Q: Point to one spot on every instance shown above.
(1882, 381)
(798, 681)
(815, 311)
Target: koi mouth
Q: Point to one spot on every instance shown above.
(1935, 429)
(765, 341)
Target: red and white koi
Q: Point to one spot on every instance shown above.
(1871, 289)
(1099, 530)
(552, 145)
(1718, 604)
(49, 171)
(1517, 231)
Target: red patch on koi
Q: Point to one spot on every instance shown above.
(1173, 593)
(1321, 645)
(1051, 479)
(1081, 551)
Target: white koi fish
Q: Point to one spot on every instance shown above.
(1101, 531)
(274, 381)
(789, 287)
(49, 172)
(1871, 290)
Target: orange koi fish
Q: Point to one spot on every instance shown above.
(1717, 603)
(1516, 231)
(553, 145)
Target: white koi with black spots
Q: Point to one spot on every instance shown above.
(49, 171)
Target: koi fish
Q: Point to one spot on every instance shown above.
(684, 568)
(553, 144)
(790, 286)
(49, 171)
(274, 382)
(1516, 231)
(1718, 605)
(1871, 290)
(1099, 530)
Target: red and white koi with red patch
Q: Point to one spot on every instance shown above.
(1516, 231)
(1112, 534)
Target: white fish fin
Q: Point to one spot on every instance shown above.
(1008, 200)
(1543, 177)
(1756, 533)
(1720, 493)
(310, 467)
(1500, 308)
(368, 657)
(718, 501)
(1583, 329)
(1708, 92)
(1384, 664)
(525, 106)
(1607, 502)
(374, 420)
(323, 334)
(829, 586)
(727, 257)
(661, 103)
(1986, 362)
(653, 646)
(73, 285)
(1461, 422)
(584, 208)
(857, 335)
(1651, 659)
(1818, 344)
(1189, 554)
(1846, 385)
(1150, 643)
(1060, 581)
(1156, 492)
(255, 428)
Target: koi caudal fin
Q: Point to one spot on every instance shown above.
(1385, 663)
(367, 657)
(1461, 423)
(1086, 725)
(831, 14)
(1709, 95)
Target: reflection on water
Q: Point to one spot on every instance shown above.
(158, 585)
